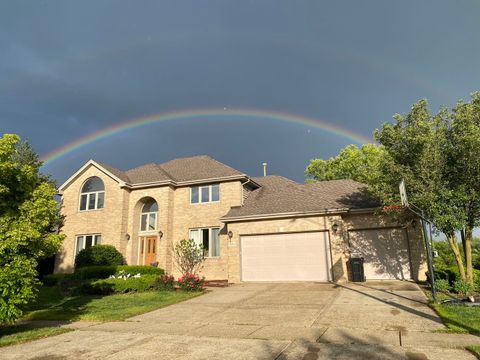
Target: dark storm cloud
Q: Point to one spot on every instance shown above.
(70, 68)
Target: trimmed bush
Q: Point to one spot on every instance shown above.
(191, 282)
(118, 286)
(165, 282)
(98, 255)
(103, 272)
(448, 273)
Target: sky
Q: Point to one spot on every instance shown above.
(71, 69)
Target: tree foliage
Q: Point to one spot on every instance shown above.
(29, 222)
(188, 256)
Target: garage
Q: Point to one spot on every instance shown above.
(286, 257)
(385, 252)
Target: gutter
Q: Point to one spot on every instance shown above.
(297, 214)
(283, 215)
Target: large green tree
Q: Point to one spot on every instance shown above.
(29, 222)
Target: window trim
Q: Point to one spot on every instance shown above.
(84, 239)
(210, 239)
(200, 193)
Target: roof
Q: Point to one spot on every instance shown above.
(278, 195)
(193, 169)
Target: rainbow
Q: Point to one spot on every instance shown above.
(224, 113)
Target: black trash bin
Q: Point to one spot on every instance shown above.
(358, 274)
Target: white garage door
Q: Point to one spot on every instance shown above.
(385, 252)
(286, 257)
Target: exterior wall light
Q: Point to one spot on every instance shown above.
(230, 234)
(127, 236)
(335, 228)
(160, 234)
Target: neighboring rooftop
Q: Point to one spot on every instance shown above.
(278, 195)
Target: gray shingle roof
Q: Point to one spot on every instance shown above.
(279, 195)
(197, 168)
(185, 169)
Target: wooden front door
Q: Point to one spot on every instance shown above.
(148, 249)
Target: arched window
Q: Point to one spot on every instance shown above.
(148, 221)
(92, 196)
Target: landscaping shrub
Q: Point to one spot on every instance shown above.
(165, 282)
(103, 272)
(446, 273)
(462, 287)
(442, 285)
(191, 282)
(98, 255)
(118, 286)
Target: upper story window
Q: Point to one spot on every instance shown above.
(148, 220)
(92, 196)
(204, 194)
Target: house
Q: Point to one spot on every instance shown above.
(252, 228)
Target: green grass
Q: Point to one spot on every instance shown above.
(53, 304)
(459, 318)
(475, 350)
(10, 335)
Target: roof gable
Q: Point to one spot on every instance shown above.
(110, 171)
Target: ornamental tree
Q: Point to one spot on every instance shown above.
(29, 223)
(188, 256)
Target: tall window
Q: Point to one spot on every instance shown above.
(92, 196)
(86, 241)
(209, 239)
(204, 194)
(148, 220)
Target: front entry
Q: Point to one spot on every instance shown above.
(148, 250)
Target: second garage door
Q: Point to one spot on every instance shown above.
(385, 251)
(286, 257)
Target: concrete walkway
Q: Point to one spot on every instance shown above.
(382, 320)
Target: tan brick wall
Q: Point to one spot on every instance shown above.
(188, 216)
(109, 221)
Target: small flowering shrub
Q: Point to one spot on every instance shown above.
(191, 282)
(165, 282)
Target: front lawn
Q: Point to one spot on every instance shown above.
(459, 318)
(10, 335)
(53, 304)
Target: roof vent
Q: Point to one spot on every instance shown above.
(264, 169)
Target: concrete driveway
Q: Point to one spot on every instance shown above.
(375, 320)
